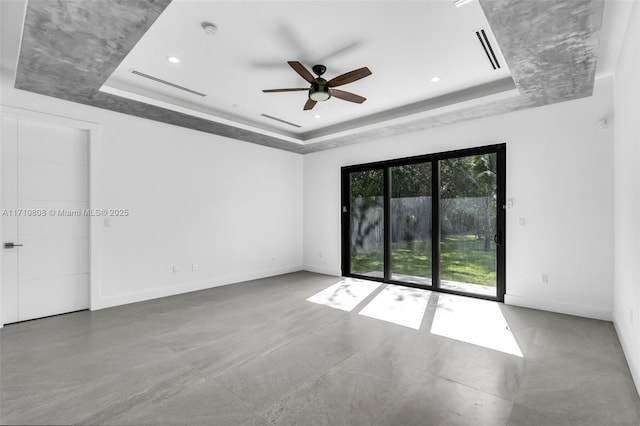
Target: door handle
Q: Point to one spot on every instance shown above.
(11, 245)
(497, 239)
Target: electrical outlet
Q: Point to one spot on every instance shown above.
(175, 269)
(544, 278)
(194, 266)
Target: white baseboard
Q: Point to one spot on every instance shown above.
(322, 270)
(632, 358)
(559, 307)
(172, 290)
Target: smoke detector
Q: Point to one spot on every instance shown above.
(209, 28)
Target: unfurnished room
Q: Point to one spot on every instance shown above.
(409, 212)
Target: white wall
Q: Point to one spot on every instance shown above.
(626, 314)
(233, 208)
(559, 174)
(194, 198)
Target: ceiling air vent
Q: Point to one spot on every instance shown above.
(484, 41)
(159, 80)
(281, 120)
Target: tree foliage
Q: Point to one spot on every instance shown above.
(411, 180)
(467, 194)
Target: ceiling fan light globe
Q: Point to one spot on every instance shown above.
(319, 93)
(319, 96)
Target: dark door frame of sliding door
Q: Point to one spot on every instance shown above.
(434, 159)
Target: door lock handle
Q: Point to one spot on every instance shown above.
(11, 245)
(497, 239)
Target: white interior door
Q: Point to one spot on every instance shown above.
(45, 194)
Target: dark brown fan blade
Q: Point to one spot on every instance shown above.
(347, 96)
(349, 77)
(284, 90)
(300, 69)
(310, 104)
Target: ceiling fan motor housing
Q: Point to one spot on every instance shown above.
(319, 91)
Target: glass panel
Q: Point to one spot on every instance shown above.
(367, 223)
(411, 223)
(468, 194)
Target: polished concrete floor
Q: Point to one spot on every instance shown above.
(259, 353)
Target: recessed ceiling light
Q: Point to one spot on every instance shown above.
(316, 116)
(435, 79)
(173, 59)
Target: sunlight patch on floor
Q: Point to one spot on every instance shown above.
(479, 322)
(400, 305)
(345, 294)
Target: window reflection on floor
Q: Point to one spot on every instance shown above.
(400, 305)
(345, 294)
(479, 322)
(475, 321)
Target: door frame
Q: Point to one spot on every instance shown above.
(95, 189)
(385, 166)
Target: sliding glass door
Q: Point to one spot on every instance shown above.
(434, 221)
(366, 223)
(411, 238)
(468, 224)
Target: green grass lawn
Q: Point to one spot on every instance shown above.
(463, 259)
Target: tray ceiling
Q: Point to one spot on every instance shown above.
(86, 51)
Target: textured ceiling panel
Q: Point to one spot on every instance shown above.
(551, 46)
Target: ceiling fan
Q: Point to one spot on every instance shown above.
(321, 89)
